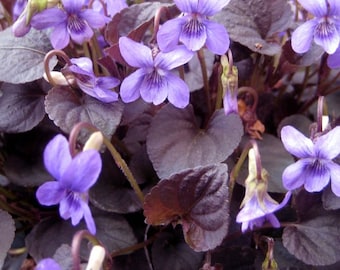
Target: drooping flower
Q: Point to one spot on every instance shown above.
(153, 80)
(229, 80)
(48, 264)
(333, 60)
(72, 21)
(194, 29)
(97, 87)
(73, 178)
(315, 168)
(257, 205)
(324, 28)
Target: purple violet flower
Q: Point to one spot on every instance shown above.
(257, 205)
(18, 8)
(73, 21)
(97, 87)
(153, 80)
(194, 29)
(256, 211)
(315, 167)
(48, 264)
(74, 176)
(333, 60)
(115, 6)
(324, 28)
(20, 26)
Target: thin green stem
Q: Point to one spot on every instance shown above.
(114, 153)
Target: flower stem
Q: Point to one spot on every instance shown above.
(114, 153)
(320, 111)
(200, 55)
(236, 169)
(47, 59)
(76, 241)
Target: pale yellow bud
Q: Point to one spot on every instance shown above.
(94, 142)
(59, 79)
(96, 258)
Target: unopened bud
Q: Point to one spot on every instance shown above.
(59, 78)
(96, 258)
(35, 6)
(94, 142)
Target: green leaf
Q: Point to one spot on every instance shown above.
(176, 142)
(22, 59)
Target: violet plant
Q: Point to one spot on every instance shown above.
(196, 134)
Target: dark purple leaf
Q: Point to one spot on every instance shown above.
(66, 108)
(7, 229)
(253, 23)
(198, 199)
(23, 165)
(329, 200)
(176, 142)
(306, 59)
(170, 252)
(299, 121)
(315, 241)
(133, 21)
(112, 230)
(112, 192)
(22, 59)
(21, 106)
(135, 18)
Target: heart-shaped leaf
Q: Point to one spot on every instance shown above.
(315, 241)
(198, 198)
(253, 22)
(46, 237)
(66, 108)
(176, 142)
(7, 230)
(22, 59)
(21, 106)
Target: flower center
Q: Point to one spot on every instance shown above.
(76, 24)
(193, 27)
(325, 29)
(154, 78)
